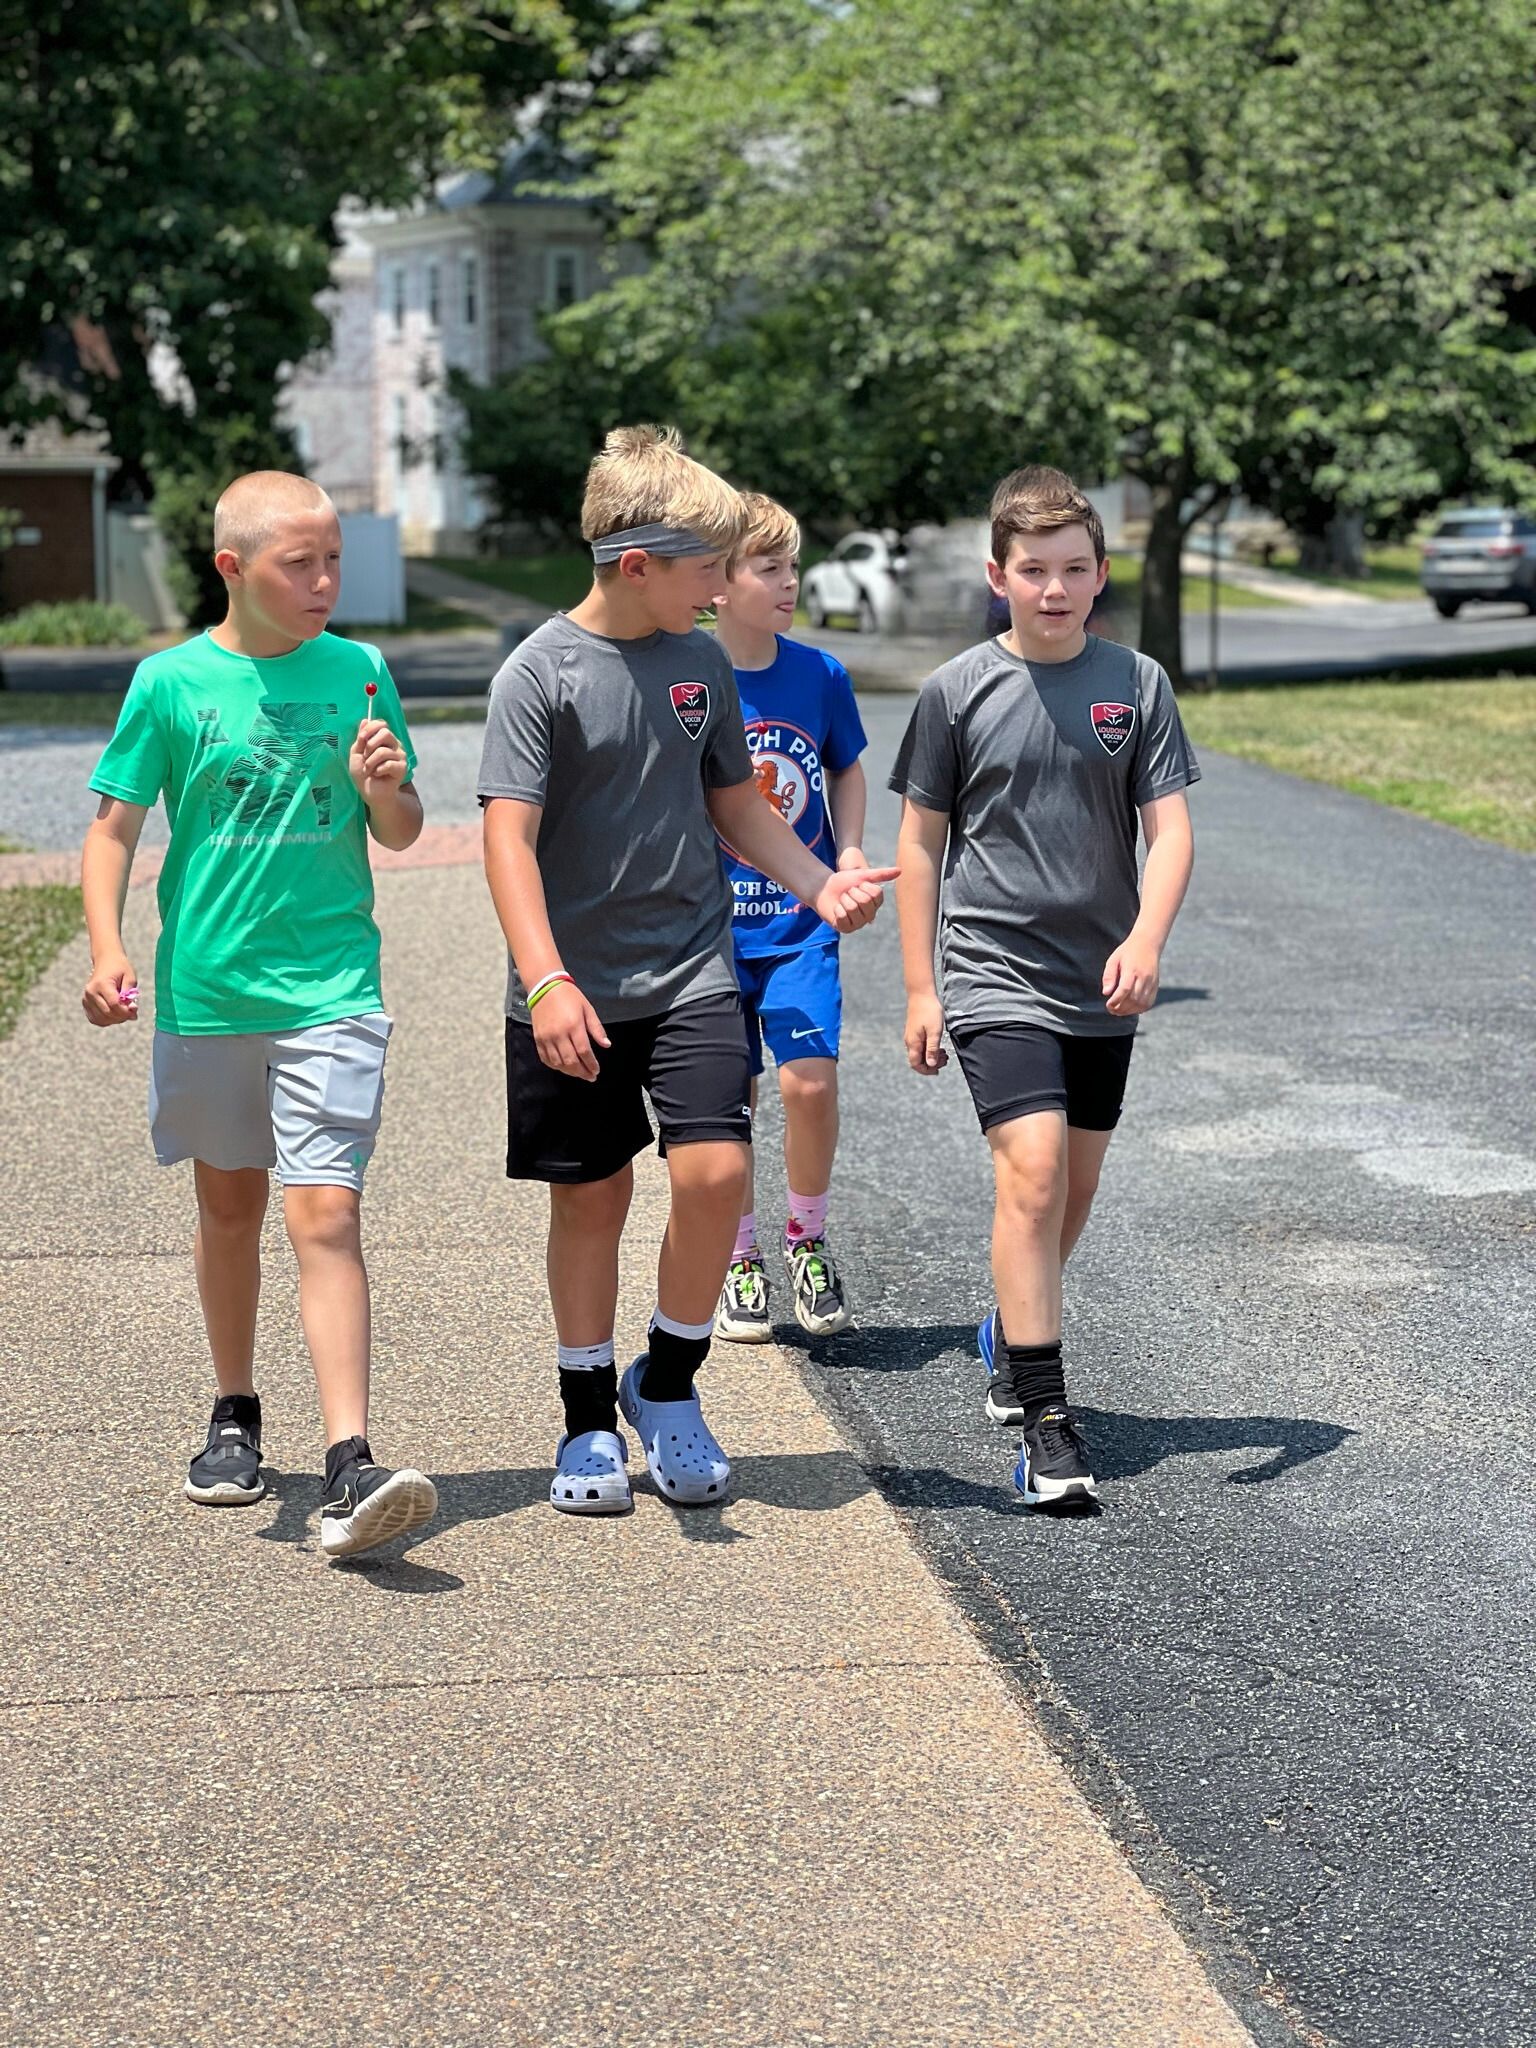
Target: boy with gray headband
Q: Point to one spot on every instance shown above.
(615, 749)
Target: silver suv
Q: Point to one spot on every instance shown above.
(1484, 552)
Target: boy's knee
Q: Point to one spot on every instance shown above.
(809, 1086)
(709, 1173)
(1030, 1191)
(322, 1218)
(231, 1203)
(594, 1207)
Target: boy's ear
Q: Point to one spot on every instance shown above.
(227, 562)
(997, 582)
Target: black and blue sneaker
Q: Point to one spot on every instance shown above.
(367, 1504)
(226, 1473)
(1003, 1405)
(1053, 1469)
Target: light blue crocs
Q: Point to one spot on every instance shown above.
(688, 1466)
(590, 1476)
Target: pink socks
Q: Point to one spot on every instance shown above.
(746, 1237)
(807, 1217)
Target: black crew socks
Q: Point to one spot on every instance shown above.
(351, 1450)
(1034, 1373)
(671, 1364)
(590, 1399)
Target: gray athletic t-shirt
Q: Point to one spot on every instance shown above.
(1041, 767)
(619, 740)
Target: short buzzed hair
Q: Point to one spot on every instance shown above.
(644, 478)
(246, 516)
(1040, 500)
(770, 529)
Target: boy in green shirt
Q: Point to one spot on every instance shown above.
(277, 747)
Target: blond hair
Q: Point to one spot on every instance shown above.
(250, 509)
(643, 478)
(1040, 500)
(769, 529)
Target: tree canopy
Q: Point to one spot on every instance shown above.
(899, 245)
(169, 170)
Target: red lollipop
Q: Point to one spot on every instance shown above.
(370, 689)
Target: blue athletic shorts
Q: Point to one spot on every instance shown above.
(794, 1003)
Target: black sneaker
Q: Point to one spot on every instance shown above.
(821, 1309)
(1053, 1461)
(226, 1473)
(367, 1504)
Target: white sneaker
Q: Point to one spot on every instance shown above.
(743, 1312)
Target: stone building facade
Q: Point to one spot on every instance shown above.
(459, 283)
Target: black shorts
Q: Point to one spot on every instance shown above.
(1016, 1069)
(691, 1061)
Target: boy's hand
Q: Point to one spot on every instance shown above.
(1130, 977)
(851, 897)
(850, 858)
(565, 1029)
(377, 761)
(924, 1035)
(103, 999)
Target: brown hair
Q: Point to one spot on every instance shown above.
(1040, 500)
(643, 478)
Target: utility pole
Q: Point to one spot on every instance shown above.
(1213, 638)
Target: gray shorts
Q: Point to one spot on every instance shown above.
(304, 1101)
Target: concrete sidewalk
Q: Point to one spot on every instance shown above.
(741, 1776)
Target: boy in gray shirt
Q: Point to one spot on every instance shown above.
(615, 750)
(1025, 768)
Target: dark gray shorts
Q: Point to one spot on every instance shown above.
(306, 1101)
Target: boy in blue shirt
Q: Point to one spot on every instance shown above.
(805, 736)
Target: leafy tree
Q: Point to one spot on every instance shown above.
(169, 170)
(900, 243)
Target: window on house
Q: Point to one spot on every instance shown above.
(562, 277)
(471, 281)
(397, 297)
(400, 445)
(434, 295)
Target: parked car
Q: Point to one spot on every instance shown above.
(1485, 552)
(859, 581)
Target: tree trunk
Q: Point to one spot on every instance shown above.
(1162, 586)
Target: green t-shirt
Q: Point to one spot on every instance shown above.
(266, 895)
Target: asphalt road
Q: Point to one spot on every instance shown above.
(1273, 645)
(1293, 1658)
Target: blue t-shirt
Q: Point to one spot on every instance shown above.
(802, 726)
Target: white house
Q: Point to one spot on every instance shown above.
(457, 283)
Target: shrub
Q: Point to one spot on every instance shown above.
(83, 623)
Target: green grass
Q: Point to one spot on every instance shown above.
(422, 615)
(84, 709)
(1462, 752)
(34, 924)
(1392, 572)
(1125, 583)
(558, 580)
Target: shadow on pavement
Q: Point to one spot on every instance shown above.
(883, 1347)
(1122, 1446)
(1181, 995)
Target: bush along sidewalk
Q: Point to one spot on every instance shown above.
(81, 624)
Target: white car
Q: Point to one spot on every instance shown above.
(859, 582)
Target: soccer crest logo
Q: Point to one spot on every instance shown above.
(1114, 724)
(691, 703)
